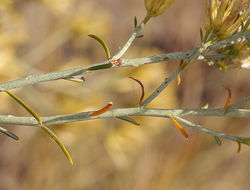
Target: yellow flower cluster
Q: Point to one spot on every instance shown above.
(226, 17)
(223, 19)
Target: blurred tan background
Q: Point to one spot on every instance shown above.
(38, 36)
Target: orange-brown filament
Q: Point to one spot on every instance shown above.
(228, 97)
(142, 89)
(106, 108)
(178, 79)
(184, 133)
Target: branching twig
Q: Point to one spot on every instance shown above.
(167, 81)
(121, 52)
(161, 87)
(35, 79)
(113, 113)
(243, 140)
(139, 111)
(116, 62)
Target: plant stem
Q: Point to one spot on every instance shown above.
(238, 139)
(167, 81)
(123, 50)
(121, 112)
(163, 85)
(139, 111)
(38, 78)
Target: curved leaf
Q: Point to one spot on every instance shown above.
(104, 45)
(57, 140)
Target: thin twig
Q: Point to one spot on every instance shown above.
(38, 78)
(123, 50)
(136, 111)
(243, 140)
(167, 81)
(163, 85)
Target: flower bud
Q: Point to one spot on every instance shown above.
(156, 7)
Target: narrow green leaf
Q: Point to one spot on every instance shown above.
(140, 36)
(246, 25)
(8, 133)
(104, 45)
(80, 80)
(57, 140)
(24, 106)
(128, 119)
(207, 34)
(217, 139)
(239, 147)
(135, 22)
(201, 35)
(212, 36)
(98, 67)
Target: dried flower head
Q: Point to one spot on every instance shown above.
(156, 7)
(226, 17)
(223, 19)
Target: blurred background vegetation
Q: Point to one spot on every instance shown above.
(38, 36)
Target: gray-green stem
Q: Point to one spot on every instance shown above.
(123, 50)
(120, 112)
(38, 78)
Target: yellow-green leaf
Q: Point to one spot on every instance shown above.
(80, 80)
(128, 119)
(60, 144)
(55, 138)
(8, 133)
(24, 105)
(98, 67)
(217, 139)
(104, 45)
(135, 22)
